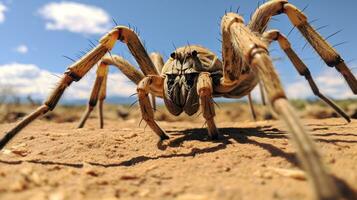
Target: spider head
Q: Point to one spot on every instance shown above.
(181, 74)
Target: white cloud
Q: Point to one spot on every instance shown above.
(75, 17)
(330, 83)
(29, 79)
(2, 12)
(22, 49)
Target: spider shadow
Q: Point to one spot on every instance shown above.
(238, 135)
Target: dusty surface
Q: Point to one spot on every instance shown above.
(55, 161)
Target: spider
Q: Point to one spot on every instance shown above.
(193, 75)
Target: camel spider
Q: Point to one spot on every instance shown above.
(193, 75)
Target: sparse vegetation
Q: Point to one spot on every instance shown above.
(234, 112)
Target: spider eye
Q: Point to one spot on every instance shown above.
(173, 55)
(194, 53)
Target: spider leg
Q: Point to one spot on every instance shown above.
(159, 64)
(301, 68)
(102, 96)
(102, 75)
(262, 16)
(130, 38)
(253, 51)
(204, 90)
(251, 106)
(99, 88)
(150, 84)
(262, 94)
(126, 68)
(157, 60)
(78, 69)
(74, 73)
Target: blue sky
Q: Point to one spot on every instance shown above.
(34, 35)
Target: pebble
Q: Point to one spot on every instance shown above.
(18, 186)
(88, 169)
(263, 174)
(19, 149)
(129, 136)
(144, 193)
(56, 196)
(192, 197)
(291, 173)
(129, 177)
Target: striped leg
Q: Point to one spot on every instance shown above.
(251, 106)
(301, 68)
(74, 73)
(262, 16)
(102, 75)
(81, 67)
(246, 44)
(204, 90)
(149, 85)
(102, 96)
(159, 64)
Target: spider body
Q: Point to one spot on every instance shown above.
(194, 75)
(181, 74)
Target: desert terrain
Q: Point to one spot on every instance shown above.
(51, 159)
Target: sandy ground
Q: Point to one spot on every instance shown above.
(55, 161)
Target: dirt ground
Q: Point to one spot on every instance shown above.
(251, 160)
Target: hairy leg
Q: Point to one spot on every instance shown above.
(251, 106)
(137, 49)
(254, 52)
(159, 64)
(301, 68)
(78, 69)
(74, 73)
(158, 61)
(262, 16)
(145, 87)
(99, 89)
(102, 75)
(102, 96)
(125, 67)
(204, 90)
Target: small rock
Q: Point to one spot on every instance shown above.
(227, 169)
(88, 169)
(2, 174)
(6, 151)
(18, 186)
(122, 112)
(332, 160)
(103, 182)
(144, 193)
(263, 174)
(291, 173)
(54, 168)
(129, 136)
(192, 197)
(36, 179)
(21, 152)
(129, 177)
(56, 196)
